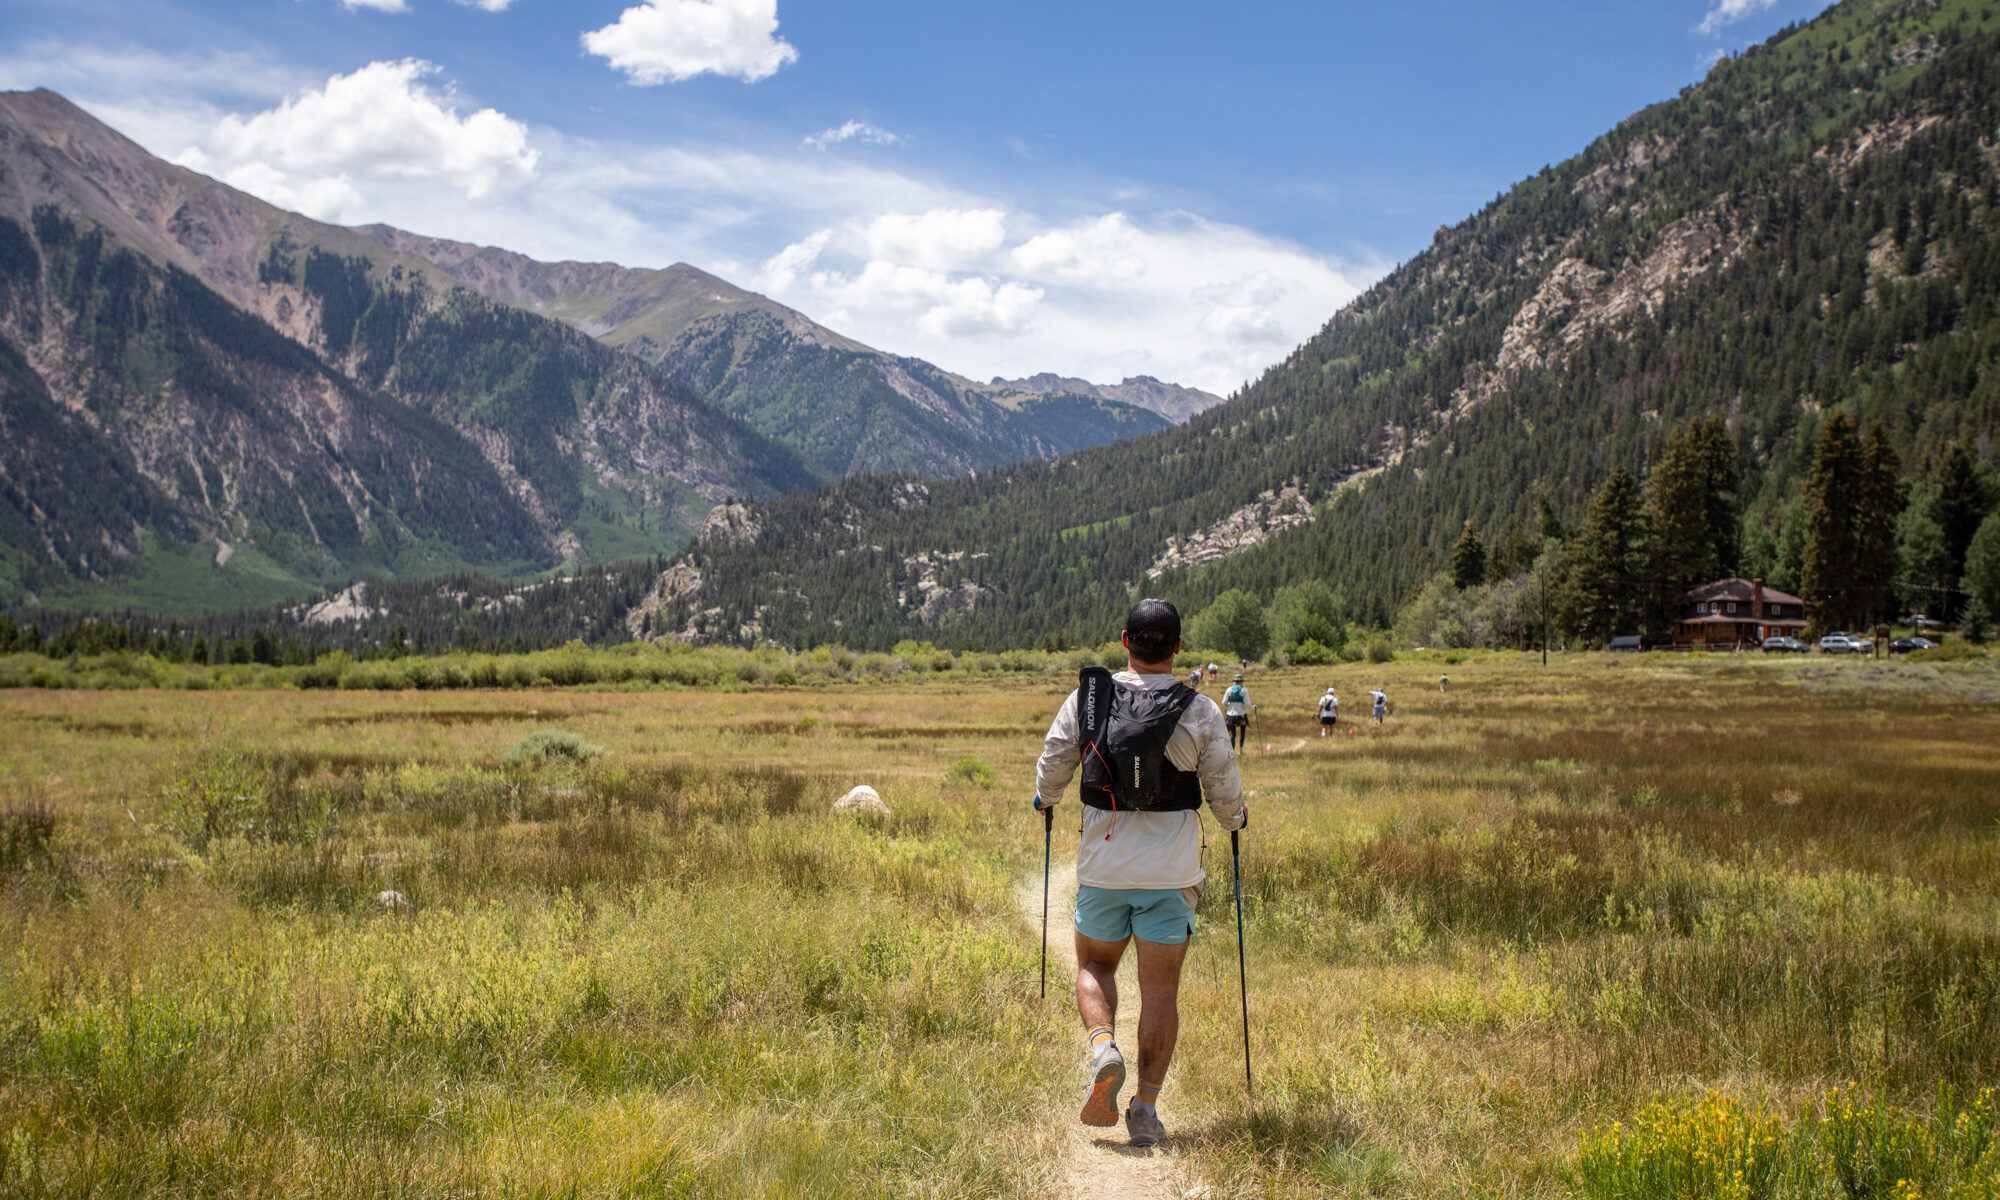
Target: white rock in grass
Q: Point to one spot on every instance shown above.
(392, 901)
(863, 801)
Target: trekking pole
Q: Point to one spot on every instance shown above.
(1242, 976)
(1048, 831)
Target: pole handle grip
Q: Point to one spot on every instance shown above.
(1048, 818)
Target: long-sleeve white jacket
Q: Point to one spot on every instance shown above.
(1129, 849)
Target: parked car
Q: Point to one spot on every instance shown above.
(1841, 643)
(1784, 645)
(1631, 643)
(1910, 645)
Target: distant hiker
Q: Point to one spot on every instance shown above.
(1444, 682)
(1138, 859)
(1236, 708)
(1194, 679)
(1211, 670)
(1329, 712)
(1381, 699)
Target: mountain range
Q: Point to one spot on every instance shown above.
(852, 409)
(1815, 228)
(208, 401)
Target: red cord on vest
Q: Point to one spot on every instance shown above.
(1107, 791)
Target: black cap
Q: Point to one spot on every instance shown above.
(1153, 627)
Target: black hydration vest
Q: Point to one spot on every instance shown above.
(1122, 733)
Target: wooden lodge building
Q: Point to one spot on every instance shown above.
(1737, 614)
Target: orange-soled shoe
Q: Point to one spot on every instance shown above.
(1106, 1077)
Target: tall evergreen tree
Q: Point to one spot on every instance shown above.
(1548, 524)
(1468, 559)
(1691, 514)
(1882, 497)
(1605, 592)
(1833, 502)
(1960, 505)
(1716, 452)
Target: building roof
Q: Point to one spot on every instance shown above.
(1739, 589)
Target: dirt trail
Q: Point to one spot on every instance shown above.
(1101, 1165)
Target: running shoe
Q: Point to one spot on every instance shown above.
(1144, 1126)
(1107, 1075)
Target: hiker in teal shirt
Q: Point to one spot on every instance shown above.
(1236, 708)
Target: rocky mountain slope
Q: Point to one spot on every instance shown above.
(1171, 400)
(1815, 227)
(850, 408)
(273, 404)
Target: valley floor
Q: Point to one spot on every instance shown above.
(1614, 927)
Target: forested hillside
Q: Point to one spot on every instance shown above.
(1814, 229)
(313, 416)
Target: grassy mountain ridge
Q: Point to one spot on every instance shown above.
(850, 408)
(1815, 227)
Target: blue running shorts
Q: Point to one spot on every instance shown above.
(1163, 915)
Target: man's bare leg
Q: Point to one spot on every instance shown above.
(1159, 1013)
(1097, 1004)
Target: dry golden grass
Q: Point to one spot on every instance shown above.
(1517, 912)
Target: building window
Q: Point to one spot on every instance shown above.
(1732, 608)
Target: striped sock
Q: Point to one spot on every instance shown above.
(1148, 1095)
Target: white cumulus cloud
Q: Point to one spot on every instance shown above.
(392, 6)
(488, 5)
(1728, 12)
(661, 40)
(1104, 296)
(852, 131)
(941, 239)
(311, 150)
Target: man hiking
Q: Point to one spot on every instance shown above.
(1236, 708)
(1381, 699)
(1329, 712)
(1138, 859)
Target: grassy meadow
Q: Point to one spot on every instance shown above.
(1637, 926)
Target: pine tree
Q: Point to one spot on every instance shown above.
(1691, 514)
(1605, 590)
(1832, 501)
(1882, 497)
(1982, 563)
(1717, 454)
(1959, 507)
(1548, 523)
(1468, 559)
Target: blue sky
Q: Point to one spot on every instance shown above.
(1185, 190)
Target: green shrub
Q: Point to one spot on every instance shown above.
(545, 744)
(215, 793)
(1379, 650)
(972, 772)
(1709, 1147)
(1949, 652)
(1312, 653)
